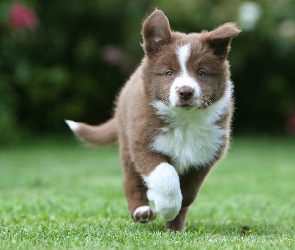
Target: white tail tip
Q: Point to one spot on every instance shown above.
(73, 125)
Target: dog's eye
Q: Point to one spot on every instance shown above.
(201, 74)
(169, 73)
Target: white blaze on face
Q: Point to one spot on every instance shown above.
(184, 79)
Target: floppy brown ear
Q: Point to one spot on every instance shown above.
(156, 32)
(219, 39)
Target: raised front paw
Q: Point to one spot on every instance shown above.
(167, 204)
(164, 191)
(144, 214)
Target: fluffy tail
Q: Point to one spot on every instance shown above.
(103, 134)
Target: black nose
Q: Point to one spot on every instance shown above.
(186, 93)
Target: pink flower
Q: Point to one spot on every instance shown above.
(112, 55)
(291, 123)
(21, 17)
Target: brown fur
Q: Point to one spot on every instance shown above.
(136, 123)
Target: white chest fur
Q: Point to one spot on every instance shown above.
(192, 138)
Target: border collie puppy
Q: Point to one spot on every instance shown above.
(172, 119)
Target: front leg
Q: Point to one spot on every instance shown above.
(164, 190)
(161, 179)
(178, 224)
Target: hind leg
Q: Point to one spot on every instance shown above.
(135, 191)
(190, 183)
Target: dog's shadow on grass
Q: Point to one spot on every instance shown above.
(218, 229)
(237, 229)
(233, 228)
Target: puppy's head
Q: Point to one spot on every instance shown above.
(186, 70)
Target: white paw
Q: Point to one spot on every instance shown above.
(164, 191)
(144, 214)
(167, 205)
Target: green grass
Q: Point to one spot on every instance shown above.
(58, 194)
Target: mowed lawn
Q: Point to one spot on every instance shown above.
(58, 194)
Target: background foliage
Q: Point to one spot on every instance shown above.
(72, 63)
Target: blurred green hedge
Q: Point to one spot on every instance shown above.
(74, 62)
